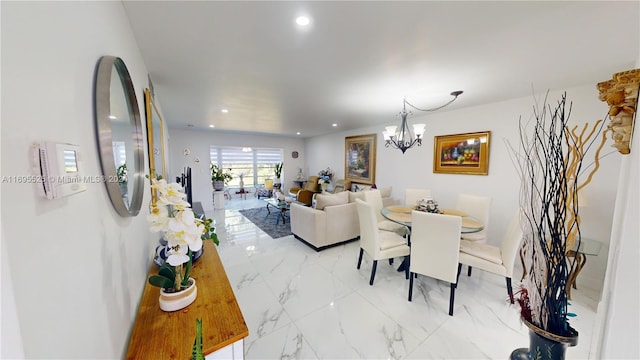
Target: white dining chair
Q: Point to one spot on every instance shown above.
(412, 196)
(435, 249)
(374, 198)
(478, 207)
(495, 259)
(378, 244)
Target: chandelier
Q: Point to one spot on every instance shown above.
(403, 138)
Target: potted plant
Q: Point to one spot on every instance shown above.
(121, 174)
(551, 171)
(184, 233)
(277, 170)
(219, 178)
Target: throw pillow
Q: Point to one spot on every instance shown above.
(355, 195)
(324, 200)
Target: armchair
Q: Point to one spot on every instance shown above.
(311, 185)
(266, 190)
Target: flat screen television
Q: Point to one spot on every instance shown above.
(185, 180)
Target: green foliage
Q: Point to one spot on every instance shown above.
(209, 231)
(165, 278)
(121, 173)
(278, 170)
(196, 351)
(218, 174)
(187, 272)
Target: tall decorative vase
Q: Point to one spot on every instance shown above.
(172, 301)
(544, 345)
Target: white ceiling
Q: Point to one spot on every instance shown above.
(357, 60)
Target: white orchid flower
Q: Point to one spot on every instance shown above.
(184, 228)
(159, 218)
(170, 194)
(178, 255)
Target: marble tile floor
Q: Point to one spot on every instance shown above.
(303, 304)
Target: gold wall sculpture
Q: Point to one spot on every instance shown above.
(621, 94)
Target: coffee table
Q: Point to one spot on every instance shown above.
(282, 206)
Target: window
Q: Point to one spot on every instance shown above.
(255, 164)
(119, 153)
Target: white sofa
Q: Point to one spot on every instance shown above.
(334, 220)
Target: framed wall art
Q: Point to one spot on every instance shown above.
(360, 159)
(462, 153)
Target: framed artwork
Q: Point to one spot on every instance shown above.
(462, 153)
(155, 140)
(360, 159)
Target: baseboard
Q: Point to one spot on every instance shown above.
(326, 246)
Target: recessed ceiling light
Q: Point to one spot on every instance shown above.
(225, 110)
(302, 20)
(298, 133)
(212, 126)
(334, 125)
(112, 117)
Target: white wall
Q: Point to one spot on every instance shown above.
(198, 143)
(618, 315)
(77, 268)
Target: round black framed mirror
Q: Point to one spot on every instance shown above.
(119, 135)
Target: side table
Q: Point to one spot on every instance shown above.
(587, 247)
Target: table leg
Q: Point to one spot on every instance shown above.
(268, 210)
(282, 213)
(580, 261)
(524, 269)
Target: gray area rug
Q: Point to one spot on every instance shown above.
(267, 223)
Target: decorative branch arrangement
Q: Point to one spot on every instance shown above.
(550, 165)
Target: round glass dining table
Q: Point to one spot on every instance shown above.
(402, 216)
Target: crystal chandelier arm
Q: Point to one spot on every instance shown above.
(455, 95)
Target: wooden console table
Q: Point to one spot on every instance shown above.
(169, 335)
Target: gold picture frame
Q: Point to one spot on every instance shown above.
(462, 153)
(155, 140)
(360, 159)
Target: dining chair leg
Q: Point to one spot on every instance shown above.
(451, 298)
(458, 276)
(411, 286)
(390, 261)
(509, 289)
(360, 258)
(406, 269)
(373, 271)
(469, 271)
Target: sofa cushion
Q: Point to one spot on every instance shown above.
(355, 195)
(323, 200)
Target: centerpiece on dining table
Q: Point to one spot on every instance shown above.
(427, 204)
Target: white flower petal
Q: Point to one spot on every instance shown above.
(177, 259)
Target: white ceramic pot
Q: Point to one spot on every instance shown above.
(178, 300)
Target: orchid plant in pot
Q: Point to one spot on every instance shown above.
(184, 233)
